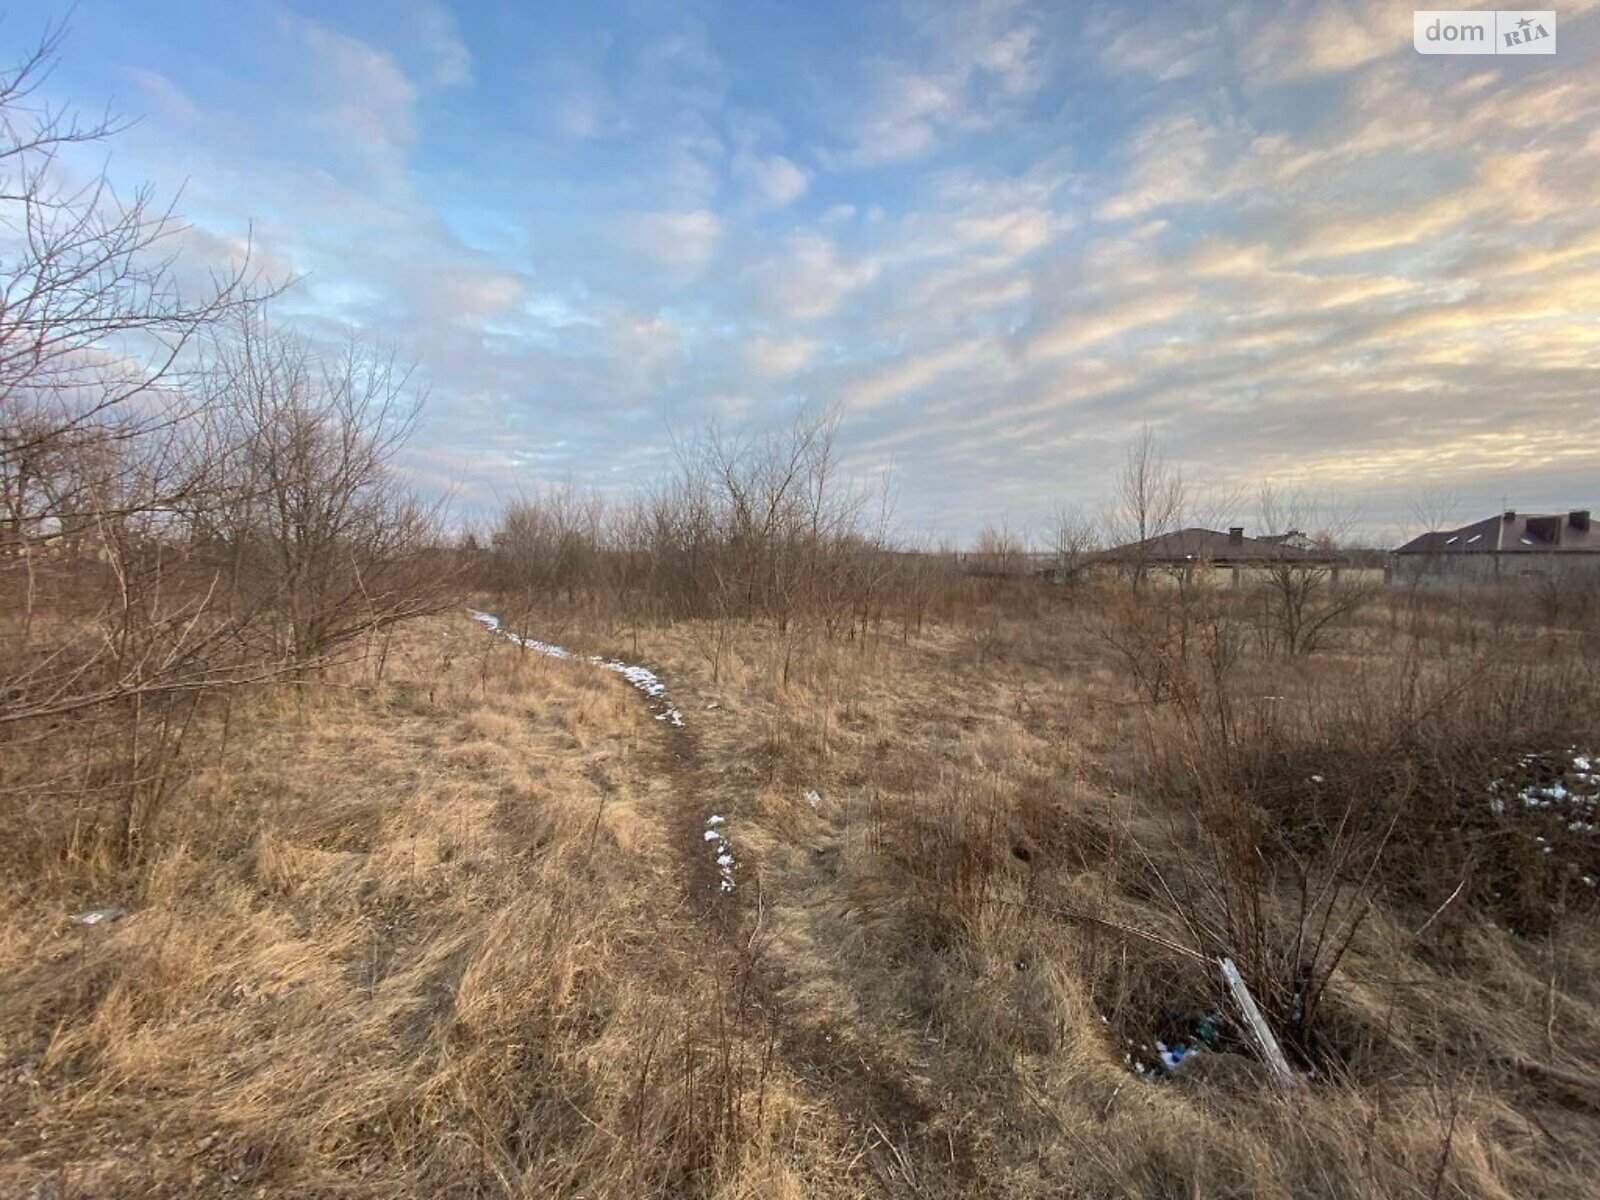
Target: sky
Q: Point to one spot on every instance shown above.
(1000, 237)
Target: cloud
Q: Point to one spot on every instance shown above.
(451, 61)
(776, 180)
(677, 239)
(916, 373)
(1012, 233)
(977, 66)
(1171, 160)
(904, 118)
(1327, 38)
(1080, 330)
(1003, 241)
(361, 101)
(162, 96)
(809, 279)
(1162, 44)
(776, 357)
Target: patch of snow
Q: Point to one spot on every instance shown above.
(492, 623)
(724, 848)
(1563, 785)
(642, 678)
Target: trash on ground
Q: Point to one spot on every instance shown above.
(1260, 1032)
(99, 916)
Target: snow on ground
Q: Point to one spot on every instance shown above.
(646, 680)
(716, 826)
(492, 623)
(1565, 785)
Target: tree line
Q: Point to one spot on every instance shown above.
(190, 496)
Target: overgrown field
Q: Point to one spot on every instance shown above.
(461, 928)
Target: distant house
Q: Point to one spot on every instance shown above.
(1188, 550)
(1509, 545)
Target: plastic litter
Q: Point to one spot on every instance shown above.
(99, 916)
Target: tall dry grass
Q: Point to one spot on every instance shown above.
(1017, 853)
(427, 937)
(437, 934)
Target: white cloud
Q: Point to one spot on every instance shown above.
(360, 99)
(1014, 233)
(915, 373)
(168, 99)
(677, 239)
(451, 61)
(1327, 38)
(975, 66)
(776, 180)
(775, 357)
(1081, 330)
(810, 280)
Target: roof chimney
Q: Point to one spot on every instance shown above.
(1236, 535)
(1511, 514)
(1578, 518)
(1544, 529)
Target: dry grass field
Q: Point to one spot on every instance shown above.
(462, 931)
(712, 832)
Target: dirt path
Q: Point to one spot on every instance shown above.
(905, 1154)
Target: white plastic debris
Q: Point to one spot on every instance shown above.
(814, 798)
(1260, 1032)
(99, 916)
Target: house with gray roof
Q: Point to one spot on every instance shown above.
(1509, 545)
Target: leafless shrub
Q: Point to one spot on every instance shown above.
(108, 634)
(1073, 542)
(1171, 642)
(747, 527)
(162, 519)
(322, 537)
(1149, 499)
(1305, 814)
(999, 550)
(1303, 594)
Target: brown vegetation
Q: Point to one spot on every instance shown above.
(313, 888)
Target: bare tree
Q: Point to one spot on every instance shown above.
(999, 549)
(1433, 509)
(93, 326)
(1303, 590)
(1149, 499)
(1073, 541)
(100, 465)
(328, 540)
